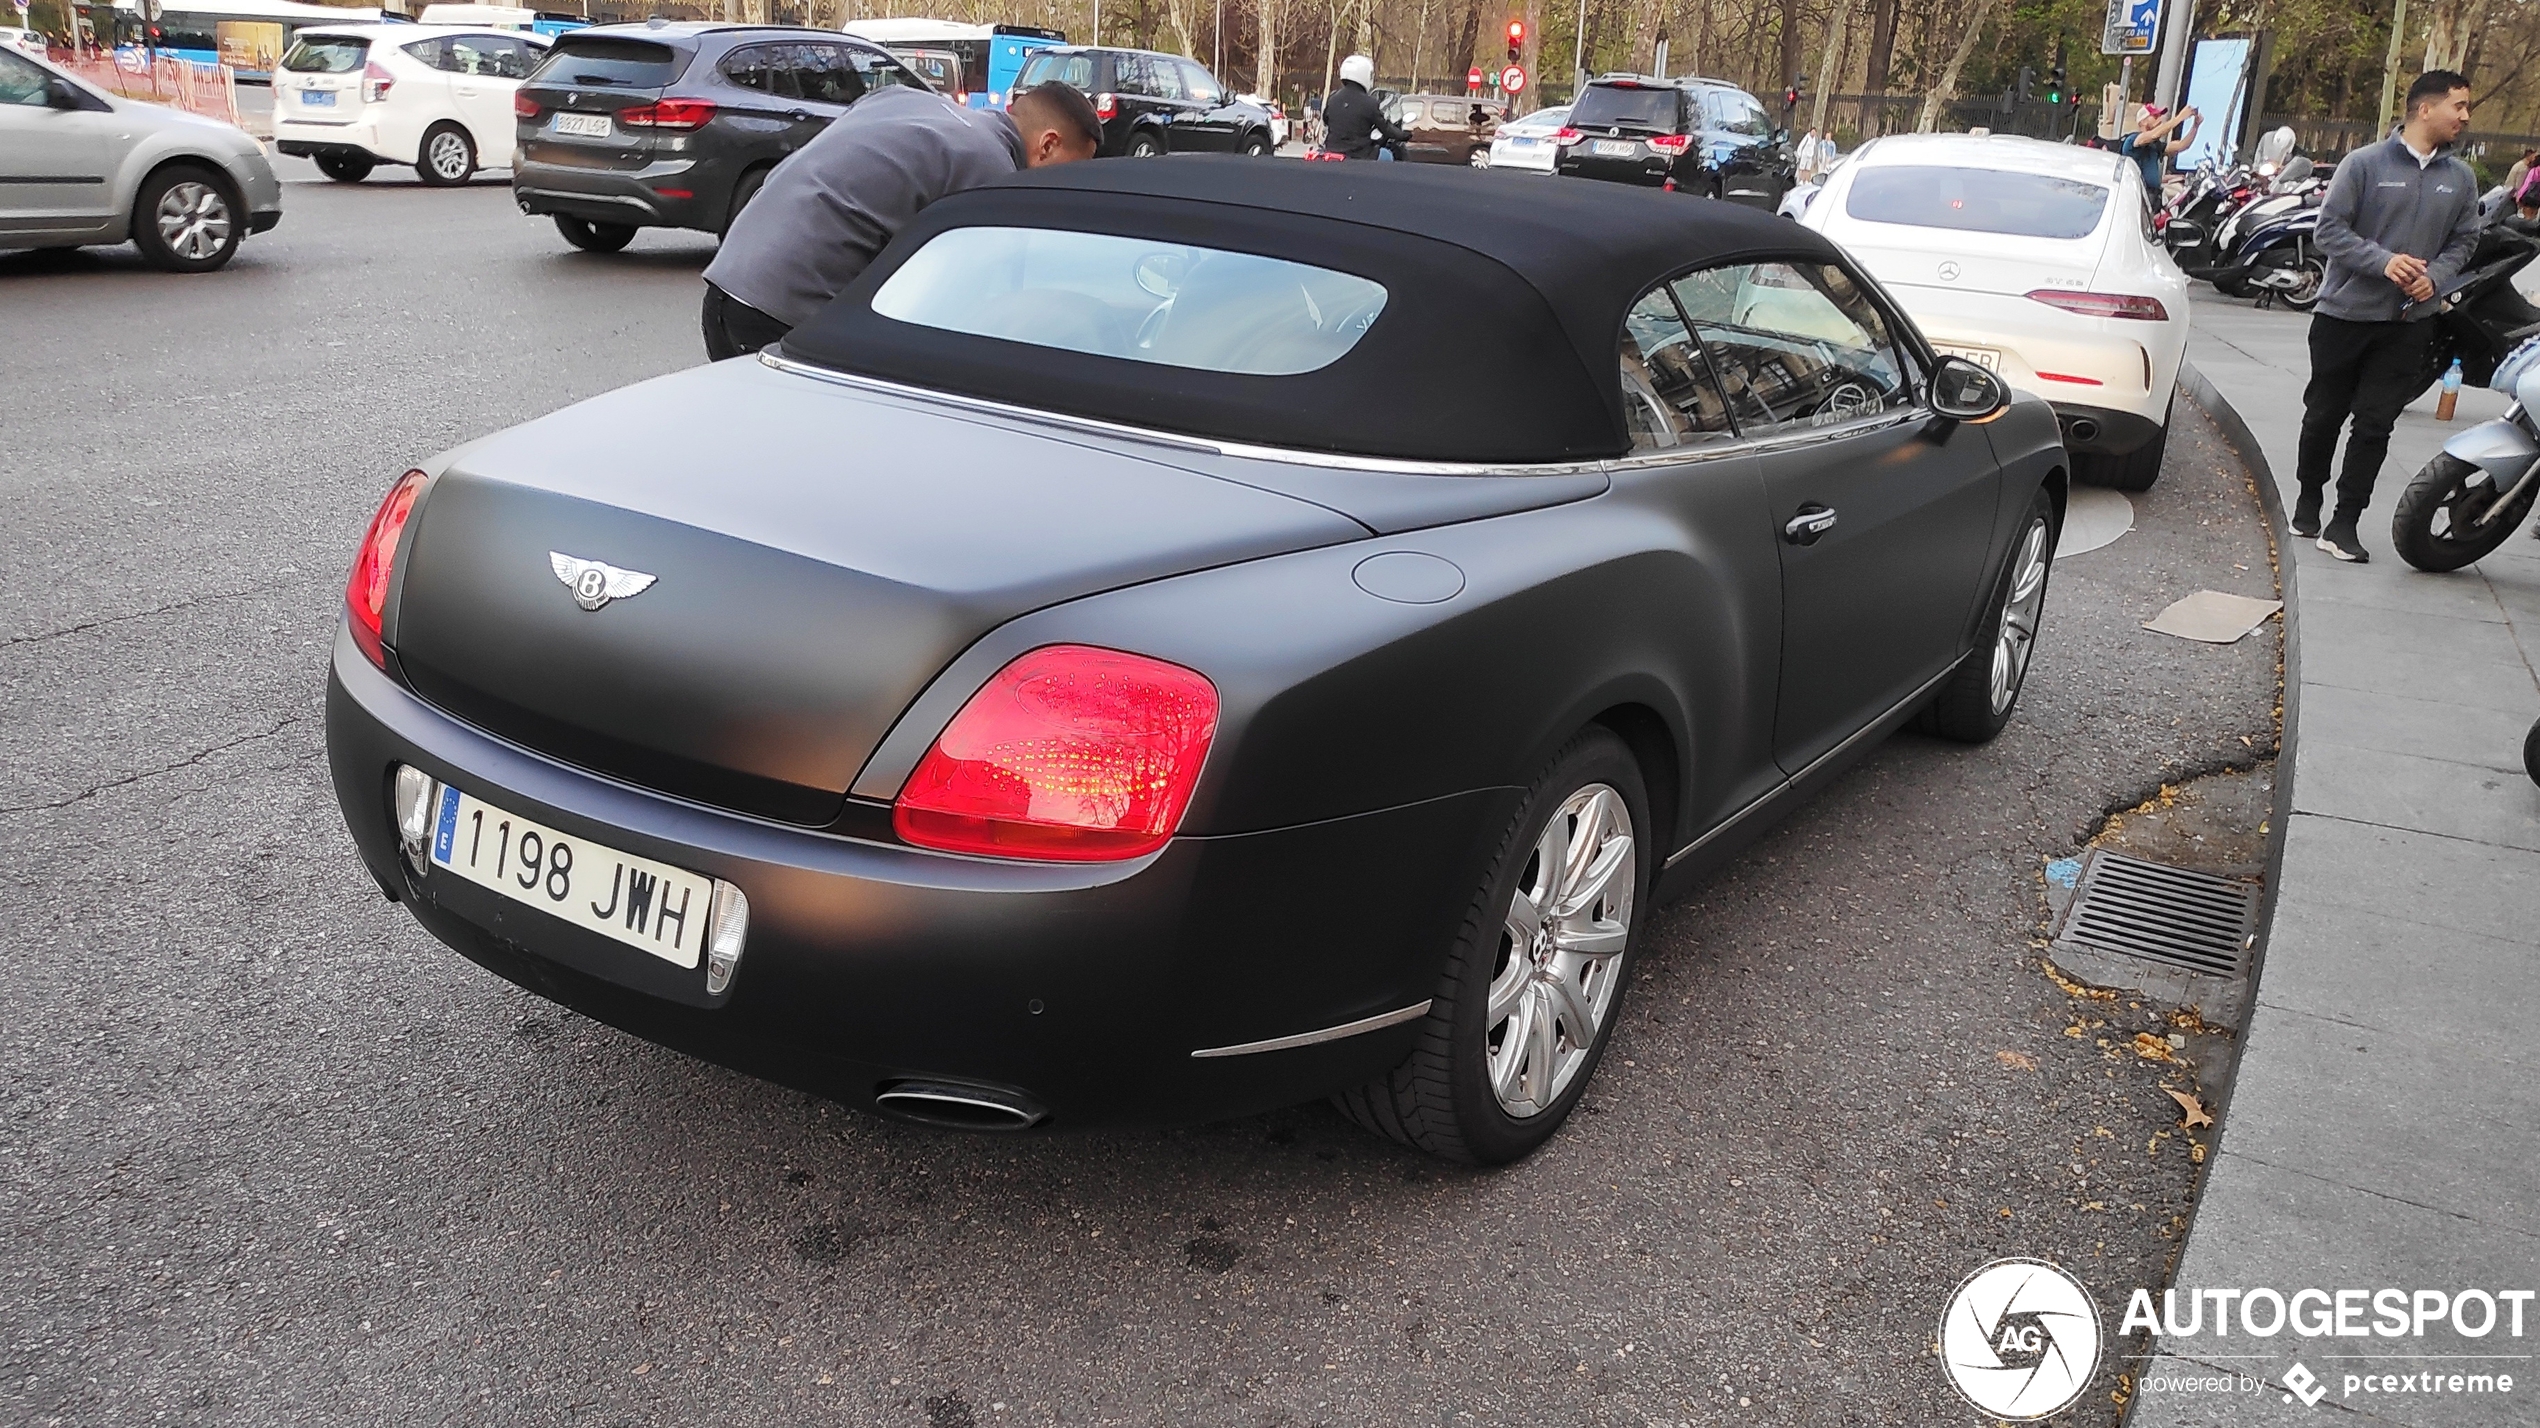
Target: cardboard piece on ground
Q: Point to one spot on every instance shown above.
(2213, 617)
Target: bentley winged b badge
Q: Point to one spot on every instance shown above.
(596, 582)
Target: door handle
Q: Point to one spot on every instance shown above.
(799, 115)
(1812, 522)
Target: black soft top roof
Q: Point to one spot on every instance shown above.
(1506, 296)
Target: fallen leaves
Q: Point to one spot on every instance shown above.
(2154, 1048)
(2016, 1061)
(2072, 988)
(2191, 1109)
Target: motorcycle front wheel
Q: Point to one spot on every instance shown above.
(2448, 517)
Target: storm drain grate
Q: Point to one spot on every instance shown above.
(2192, 921)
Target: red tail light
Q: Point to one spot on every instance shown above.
(376, 83)
(1566, 136)
(524, 106)
(1070, 754)
(2141, 309)
(668, 114)
(366, 593)
(1106, 107)
(1671, 143)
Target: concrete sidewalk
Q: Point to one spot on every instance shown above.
(2384, 1128)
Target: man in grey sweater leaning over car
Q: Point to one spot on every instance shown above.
(839, 200)
(2400, 220)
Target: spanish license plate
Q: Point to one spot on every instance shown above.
(1614, 148)
(644, 904)
(317, 98)
(587, 126)
(1985, 357)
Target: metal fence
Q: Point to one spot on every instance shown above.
(210, 90)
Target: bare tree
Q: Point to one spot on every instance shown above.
(1267, 63)
(1947, 89)
(1177, 13)
(1826, 68)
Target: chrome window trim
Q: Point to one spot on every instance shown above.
(1179, 442)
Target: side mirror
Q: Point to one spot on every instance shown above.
(1963, 391)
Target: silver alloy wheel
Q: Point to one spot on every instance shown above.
(447, 153)
(193, 220)
(1561, 948)
(2018, 634)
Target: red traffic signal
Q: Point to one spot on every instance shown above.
(1516, 39)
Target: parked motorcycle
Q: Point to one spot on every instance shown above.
(2482, 316)
(2273, 256)
(2478, 489)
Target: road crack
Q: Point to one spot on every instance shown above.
(184, 763)
(87, 626)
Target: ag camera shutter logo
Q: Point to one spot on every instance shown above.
(2020, 1339)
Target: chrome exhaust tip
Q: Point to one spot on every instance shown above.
(960, 1105)
(2084, 429)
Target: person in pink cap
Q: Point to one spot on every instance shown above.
(2151, 144)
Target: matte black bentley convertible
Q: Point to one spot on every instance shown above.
(1176, 639)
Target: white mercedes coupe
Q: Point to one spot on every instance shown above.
(2034, 260)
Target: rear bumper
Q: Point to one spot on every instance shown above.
(630, 196)
(264, 220)
(360, 139)
(2102, 431)
(1644, 172)
(1085, 989)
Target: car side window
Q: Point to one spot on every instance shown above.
(760, 67)
(1198, 85)
(434, 52)
(870, 71)
(20, 82)
(1164, 78)
(827, 74)
(1796, 345)
(1669, 397)
(505, 57)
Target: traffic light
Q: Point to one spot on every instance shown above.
(2057, 90)
(1516, 40)
(2028, 83)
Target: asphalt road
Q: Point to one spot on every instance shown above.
(275, 1157)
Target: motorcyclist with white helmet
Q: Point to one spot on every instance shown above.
(1354, 124)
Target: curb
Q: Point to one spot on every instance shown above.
(2202, 391)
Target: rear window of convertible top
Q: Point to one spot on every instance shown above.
(603, 60)
(1140, 299)
(1977, 200)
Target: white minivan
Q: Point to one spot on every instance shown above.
(438, 97)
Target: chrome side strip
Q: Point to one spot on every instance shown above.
(1176, 439)
(1329, 1033)
(1859, 737)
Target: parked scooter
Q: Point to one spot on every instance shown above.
(2478, 489)
(2482, 316)
(2273, 255)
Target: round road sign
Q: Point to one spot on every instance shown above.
(1513, 79)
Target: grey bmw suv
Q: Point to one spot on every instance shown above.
(664, 125)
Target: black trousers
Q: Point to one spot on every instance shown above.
(2365, 370)
(734, 328)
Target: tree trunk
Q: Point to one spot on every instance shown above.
(1267, 64)
(1787, 70)
(1826, 68)
(1178, 13)
(1882, 55)
(1532, 57)
(1460, 57)
(1947, 88)
(1647, 16)
(1331, 48)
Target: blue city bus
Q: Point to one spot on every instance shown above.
(991, 55)
(249, 36)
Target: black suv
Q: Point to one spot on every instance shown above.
(1701, 136)
(1153, 103)
(675, 125)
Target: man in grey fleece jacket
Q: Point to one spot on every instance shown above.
(2399, 221)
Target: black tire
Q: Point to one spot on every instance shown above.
(1970, 708)
(594, 237)
(1144, 144)
(744, 189)
(1440, 1099)
(2447, 496)
(2314, 277)
(346, 168)
(187, 219)
(2134, 471)
(2531, 753)
(1257, 145)
(447, 156)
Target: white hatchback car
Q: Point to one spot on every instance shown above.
(1525, 143)
(2036, 260)
(25, 42)
(438, 97)
(84, 168)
